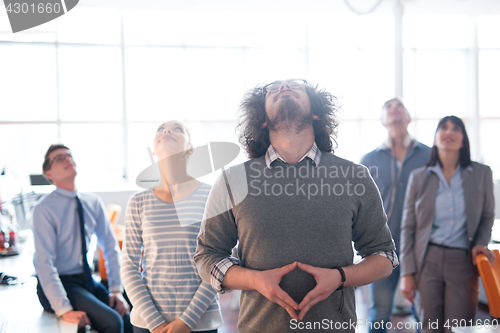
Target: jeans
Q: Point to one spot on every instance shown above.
(382, 294)
(95, 304)
(143, 330)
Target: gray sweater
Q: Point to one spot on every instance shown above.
(294, 212)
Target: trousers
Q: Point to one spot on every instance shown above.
(143, 330)
(95, 304)
(447, 290)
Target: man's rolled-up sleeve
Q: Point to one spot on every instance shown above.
(371, 235)
(218, 236)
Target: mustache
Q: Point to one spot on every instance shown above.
(281, 92)
(290, 114)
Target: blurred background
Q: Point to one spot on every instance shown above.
(102, 77)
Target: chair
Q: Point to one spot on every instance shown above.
(491, 281)
(113, 212)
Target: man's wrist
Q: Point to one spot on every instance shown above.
(341, 287)
(241, 278)
(116, 289)
(342, 276)
(252, 277)
(62, 312)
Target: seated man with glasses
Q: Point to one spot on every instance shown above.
(303, 208)
(63, 223)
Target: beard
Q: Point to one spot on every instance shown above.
(290, 115)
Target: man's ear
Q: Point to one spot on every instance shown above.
(48, 174)
(264, 125)
(315, 117)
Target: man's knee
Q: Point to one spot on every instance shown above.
(117, 324)
(111, 323)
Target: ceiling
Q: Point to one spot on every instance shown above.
(469, 7)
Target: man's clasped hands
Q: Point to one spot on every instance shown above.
(267, 283)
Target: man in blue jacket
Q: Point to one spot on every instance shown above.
(390, 165)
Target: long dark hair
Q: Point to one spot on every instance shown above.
(464, 158)
(252, 114)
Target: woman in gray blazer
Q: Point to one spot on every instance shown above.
(447, 220)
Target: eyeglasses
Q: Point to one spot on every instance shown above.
(275, 86)
(60, 158)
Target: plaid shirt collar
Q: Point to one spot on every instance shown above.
(272, 155)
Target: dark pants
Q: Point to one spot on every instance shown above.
(143, 330)
(95, 304)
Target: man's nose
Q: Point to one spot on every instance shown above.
(285, 86)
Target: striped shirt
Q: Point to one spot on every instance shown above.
(169, 286)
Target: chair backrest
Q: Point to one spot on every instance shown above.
(491, 281)
(113, 212)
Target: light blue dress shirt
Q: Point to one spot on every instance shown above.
(449, 228)
(58, 248)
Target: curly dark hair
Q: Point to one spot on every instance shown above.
(252, 114)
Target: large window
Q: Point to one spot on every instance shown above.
(101, 79)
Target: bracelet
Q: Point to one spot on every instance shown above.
(342, 274)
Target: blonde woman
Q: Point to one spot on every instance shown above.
(168, 296)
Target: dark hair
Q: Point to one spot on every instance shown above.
(392, 100)
(47, 163)
(252, 114)
(464, 158)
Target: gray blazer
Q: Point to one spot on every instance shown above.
(418, 214)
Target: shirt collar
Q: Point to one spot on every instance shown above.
(437, 168)
(407, 142)
(272, 155)
(65, 193)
